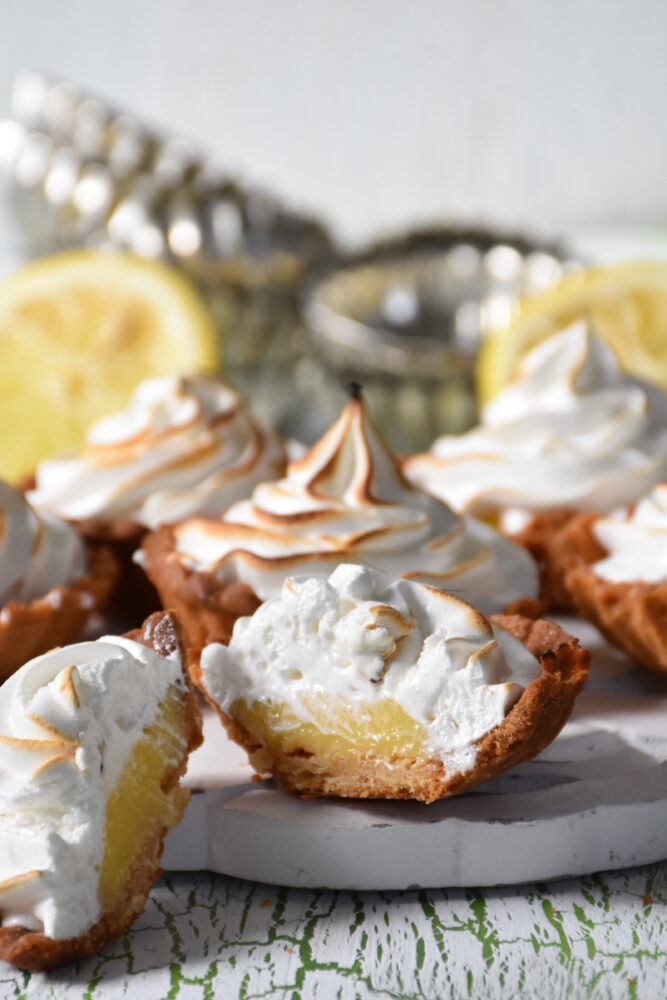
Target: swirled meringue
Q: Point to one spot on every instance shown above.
(37, 550)
(636, 541)
(570, 432)
(67, 727)
(346, 501)
(360, 639)
(183, 446)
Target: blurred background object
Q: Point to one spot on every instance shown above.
(405, 316)
(379, 119)
(267, 151)
(78, 331)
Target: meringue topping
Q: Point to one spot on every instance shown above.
(570, 432)
(183, 446)
(67, 727)
(37, 550)
(636, 541)
(361, 641)
(346, 500)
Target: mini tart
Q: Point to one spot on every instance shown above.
(55, 619)
(530, 725)
(206, 608)
(183, 446)
(632, 616)
(36, 952)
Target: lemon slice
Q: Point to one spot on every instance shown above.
(625, 303)
(78, 331)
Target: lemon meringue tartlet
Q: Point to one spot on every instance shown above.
(615, 571)
(183, 446)
(50, 582)
(93, 740)
(571, 433)
(345, 500)
(363, 687)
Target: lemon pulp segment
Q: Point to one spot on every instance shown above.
(78, 331)
(139, 808)
(336, 728)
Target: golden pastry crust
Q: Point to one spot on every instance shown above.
(541, 538)
(632, 616)
(55, 619)
(533, 722)
(206, 608)
(33, 950)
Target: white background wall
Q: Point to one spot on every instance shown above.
(382, 112)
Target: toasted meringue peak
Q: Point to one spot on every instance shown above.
(359, 639)
(37, 550)
(67, 727)
(636, 541)
(183, 446)
(571, 431)
(347, 500)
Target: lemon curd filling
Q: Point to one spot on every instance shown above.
(140, 806)
(332, 727)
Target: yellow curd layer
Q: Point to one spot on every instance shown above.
(335, 727)
(138, 807)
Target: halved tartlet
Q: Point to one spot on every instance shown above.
(93, 740)
(621, 586)
(358, 688)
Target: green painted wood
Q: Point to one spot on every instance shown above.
(205, 936)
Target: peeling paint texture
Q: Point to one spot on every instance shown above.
(207, 936)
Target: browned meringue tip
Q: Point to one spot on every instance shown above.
(530, 725)
(57, 618)
(632, 616)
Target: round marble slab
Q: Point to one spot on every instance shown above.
(595, 799)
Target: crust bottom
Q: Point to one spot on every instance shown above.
(632, 616)
(57, 618)
(33, 950)
(206, 608)
(542, 539)
(533, 722)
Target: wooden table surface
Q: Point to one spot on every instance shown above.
(208, 936)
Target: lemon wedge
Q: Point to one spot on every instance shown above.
(78, 331)
(625, 303)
